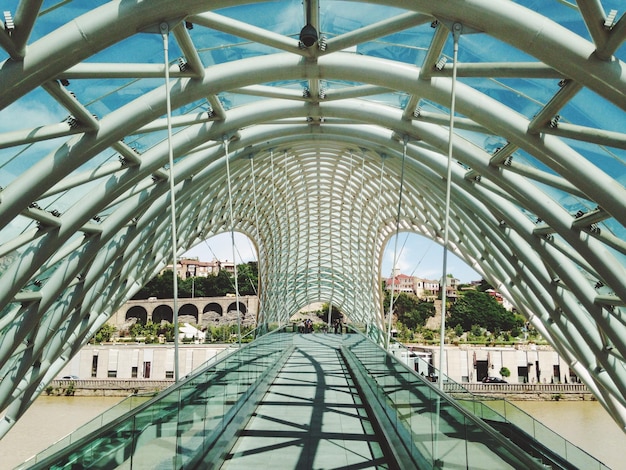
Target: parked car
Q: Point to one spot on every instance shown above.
(69, 377)
(494, 380)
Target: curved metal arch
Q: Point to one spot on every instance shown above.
(609, 191)
(100, 264)
(511, 23)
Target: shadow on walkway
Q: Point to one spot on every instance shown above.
(312, 417)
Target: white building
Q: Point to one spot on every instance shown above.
(137, 361)
(526, 363)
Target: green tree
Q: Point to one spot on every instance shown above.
(335, 313)
(161, 286)
(479, 308)
(187, 287)
(166, 329)
(475, 330)
(484, 286)
(136, 329)
(104, 333)
(409, 309)
(248, 278)
(150, 329)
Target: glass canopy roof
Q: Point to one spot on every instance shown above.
(320, 154)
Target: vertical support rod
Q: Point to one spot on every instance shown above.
(165, 35)
(260, 312)
(395, 248)
(330, 308)
(380, 325)
(456, 33)
(232, 238)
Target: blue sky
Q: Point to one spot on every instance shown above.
(417, 256)
(421, 257)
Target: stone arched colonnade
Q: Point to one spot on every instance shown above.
(203, 311)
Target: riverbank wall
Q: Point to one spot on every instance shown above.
(105, 387)
(123, 388)
(528, 392)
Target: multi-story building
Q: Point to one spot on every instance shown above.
(401, 283)
(422, 288)
(428, 288)
(188, 267)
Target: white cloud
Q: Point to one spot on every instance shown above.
(26, 114)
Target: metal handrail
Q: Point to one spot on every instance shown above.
(450, 386)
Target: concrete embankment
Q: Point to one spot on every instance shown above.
(105, 387)
(521, 391)
(125, 387)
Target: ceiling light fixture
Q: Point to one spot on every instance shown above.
(308, 35)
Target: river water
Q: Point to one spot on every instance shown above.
(584, 423)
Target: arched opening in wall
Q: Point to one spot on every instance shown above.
(231, 313)
(136, 314)
(232, 308)
(188, 313)
(211, 314)
(213, 308)
(207, 269)
(163, 313)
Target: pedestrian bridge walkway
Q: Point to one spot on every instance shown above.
(312, 416)
(310, 401)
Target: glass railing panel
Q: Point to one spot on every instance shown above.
(546, 436)
(582, 459)
(437, 431)
(156, 432)
(448, 425)
(60, 444)
(499, 406)
(101, 452)
(488, 410)
(191, 426)
(402, 402)
(501, 411)
(515, 415)
(117, 410)
(550, 439)
(183, 419)
(215, 406)
(422, 406)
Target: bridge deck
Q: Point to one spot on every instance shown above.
(306, 401)
(311, 417)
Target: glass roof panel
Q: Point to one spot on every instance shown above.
(305, 201)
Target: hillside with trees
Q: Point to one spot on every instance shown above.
(218, 285)
(474, 316)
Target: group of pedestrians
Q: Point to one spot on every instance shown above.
(306, 326)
